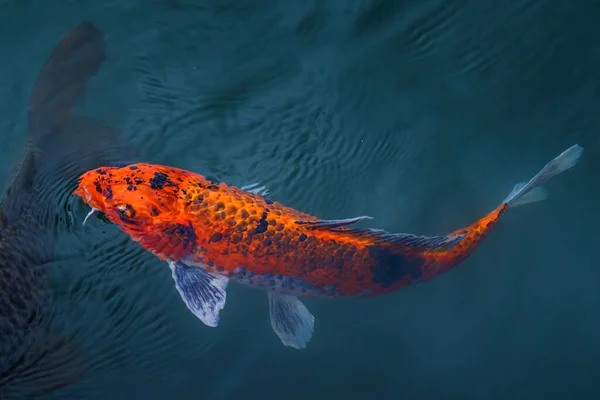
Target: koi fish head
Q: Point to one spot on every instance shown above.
(147, 202)
(138, 197)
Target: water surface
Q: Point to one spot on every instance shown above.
(421, 114)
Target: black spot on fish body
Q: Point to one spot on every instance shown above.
(185, 233)
(302, 237)
(109, 193)
(133, 167)
(392, 266)
(101, 171)
(154, 212)
(262, 226)
(268, 201)
(158, 181)
(216, 237)
(161, 180)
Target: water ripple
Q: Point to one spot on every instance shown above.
(412, 112)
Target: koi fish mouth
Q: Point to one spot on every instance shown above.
(82, 192)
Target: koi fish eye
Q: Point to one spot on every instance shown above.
(125, 211)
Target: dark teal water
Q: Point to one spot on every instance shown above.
(422, 114)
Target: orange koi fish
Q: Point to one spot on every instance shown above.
(211, 234)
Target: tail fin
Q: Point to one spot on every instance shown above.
(532, 191)
(61, 82)
(68, 145)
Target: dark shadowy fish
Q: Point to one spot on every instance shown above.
(35, 358)
(211, 234)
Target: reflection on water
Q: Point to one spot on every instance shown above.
(421, 114)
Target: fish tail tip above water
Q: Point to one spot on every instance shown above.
(532, 191)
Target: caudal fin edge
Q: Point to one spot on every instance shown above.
(532, 191)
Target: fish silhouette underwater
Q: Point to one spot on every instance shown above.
(34, 357)
(211, 234)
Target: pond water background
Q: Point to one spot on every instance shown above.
(422, 114)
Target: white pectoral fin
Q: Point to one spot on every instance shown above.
(291, 320)
(203, 292)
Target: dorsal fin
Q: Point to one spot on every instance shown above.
(406, 240)
(332, 223)
(381, 237)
